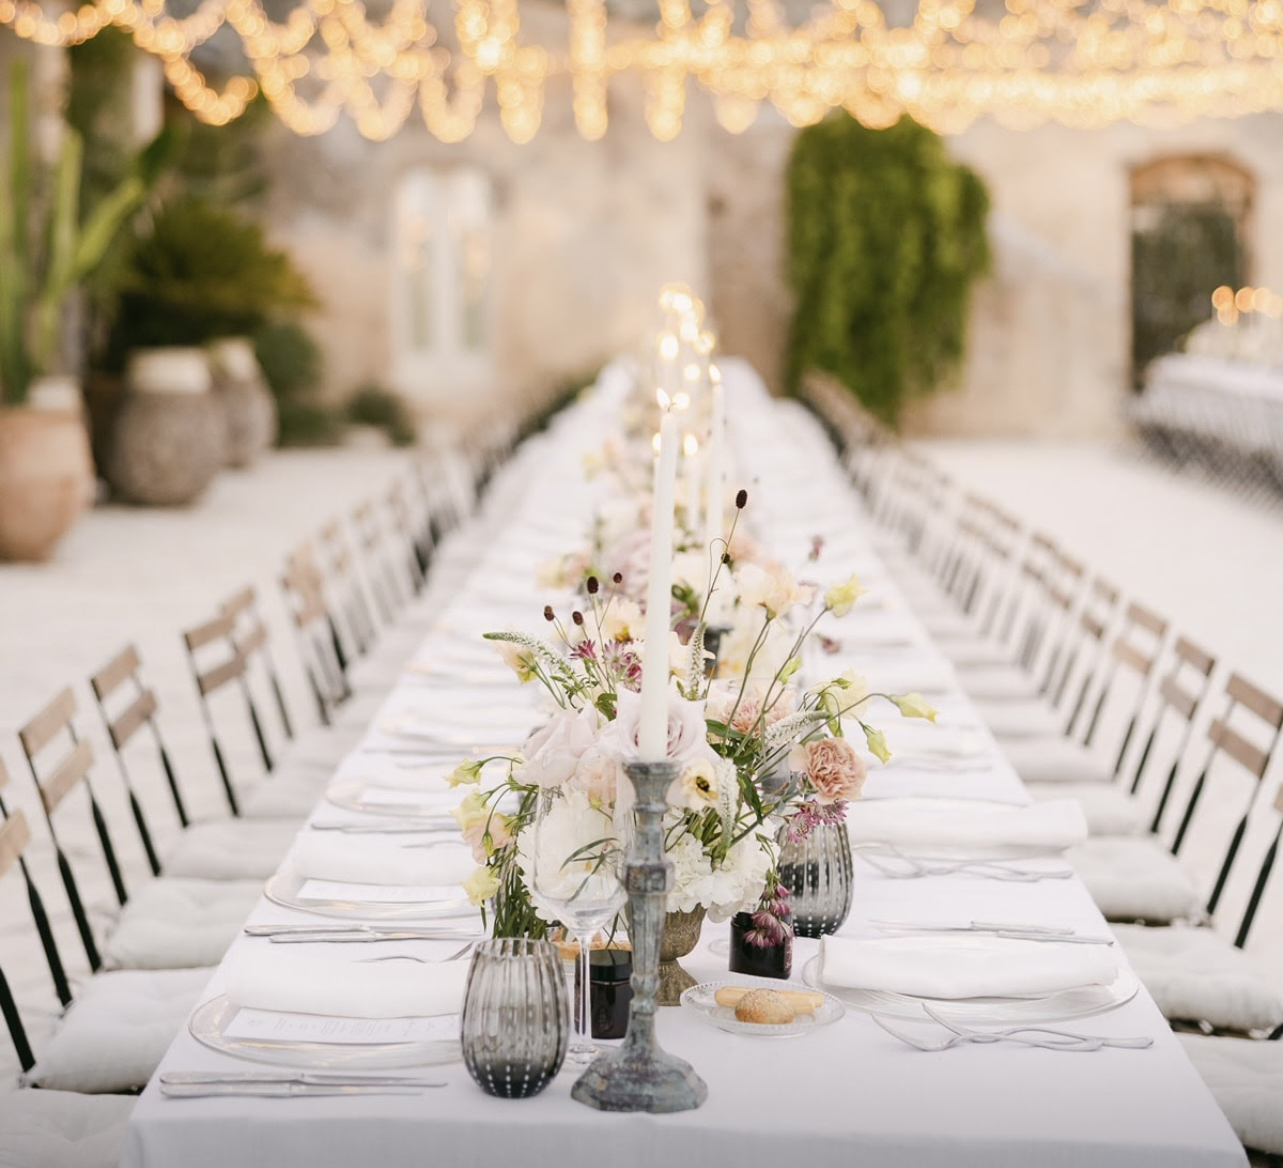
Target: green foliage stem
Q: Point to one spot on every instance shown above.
(886, 239)
(45, 251)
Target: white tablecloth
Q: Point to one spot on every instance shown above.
(844, 1095)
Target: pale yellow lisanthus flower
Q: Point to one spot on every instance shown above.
(773, 589)
(877, 742)
(471, 813)
(519, 659)
(465, 774)
(914, 705)
(481, 886)
(840, 598)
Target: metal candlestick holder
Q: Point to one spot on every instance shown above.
(639, 1076)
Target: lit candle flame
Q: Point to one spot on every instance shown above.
(691, 372)
(665, 402)
(668, 346)
(690, 446)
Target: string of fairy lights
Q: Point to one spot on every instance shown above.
(1084, 63)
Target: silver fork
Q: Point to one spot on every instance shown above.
(421, 960)
(992, 869)
(1041, 1037)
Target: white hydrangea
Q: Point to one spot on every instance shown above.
(733, 886)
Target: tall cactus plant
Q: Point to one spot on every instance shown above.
(45, 252)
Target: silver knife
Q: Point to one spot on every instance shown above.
(280, 1090)
(363, 938)
(307, 1078)
(445, 824)
(445, 932)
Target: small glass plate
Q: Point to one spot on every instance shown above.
(284, 887)
(1060, 1006)
(701, 999)
(348, 794)
(210, 1022)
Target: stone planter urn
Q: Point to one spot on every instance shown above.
(46, 472)
(170, 432)
(249, 409)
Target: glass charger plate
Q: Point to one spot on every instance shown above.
(349, 794)
(957, 853)
(701, 999)
(210, 1022)
(284, 888)
(1079, 1002)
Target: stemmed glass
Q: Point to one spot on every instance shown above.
(577, 879)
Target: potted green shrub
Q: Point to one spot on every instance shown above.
(202, 277)
(46, 473)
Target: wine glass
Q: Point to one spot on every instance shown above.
(576, 879)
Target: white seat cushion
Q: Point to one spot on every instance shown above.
(289, 793)
(997, 682)
(1136, 879)
(1196, 975)
(1020, 719)
(60, 1129)
(232, 849)
(117, 1029)
(1108, 808)
(1055, 760)
(1246, 1080)
(178, 923)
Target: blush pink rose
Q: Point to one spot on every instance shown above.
(833, 767)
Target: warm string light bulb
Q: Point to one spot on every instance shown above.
(1151, 61)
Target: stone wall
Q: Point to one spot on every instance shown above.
(1049, 349)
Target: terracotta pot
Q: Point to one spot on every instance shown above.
(169, 435)
(46, 479)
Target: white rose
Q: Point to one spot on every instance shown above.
(552, 754)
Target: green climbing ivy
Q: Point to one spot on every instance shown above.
(886, 239)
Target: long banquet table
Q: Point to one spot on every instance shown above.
(846, 1094)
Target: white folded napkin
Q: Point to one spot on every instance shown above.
(963, 966)
(910, 738)
(357, 860)
(428, 779)
(912, 674)
(1052, 826)
(295, 983)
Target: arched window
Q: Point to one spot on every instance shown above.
(1190, 219)
(442, 272)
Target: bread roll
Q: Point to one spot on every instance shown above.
(765, 1007)
(801, 1001)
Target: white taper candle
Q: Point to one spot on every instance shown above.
(652, 730)
(714, 516)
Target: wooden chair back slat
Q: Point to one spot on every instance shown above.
(1251, 757)
(1133, 658)
(119, 669)
(57, 786)
(4, 775)
(238, 603)
(126, 724)
(250, 642)
(1191, 654)
(15, 835)
(220, 627)
(48, 724)
(220, 675)
(1278, 799)
(1255, 699)
(1180, 700)
(1151, 621)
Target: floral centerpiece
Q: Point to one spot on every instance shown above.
(755, 749)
